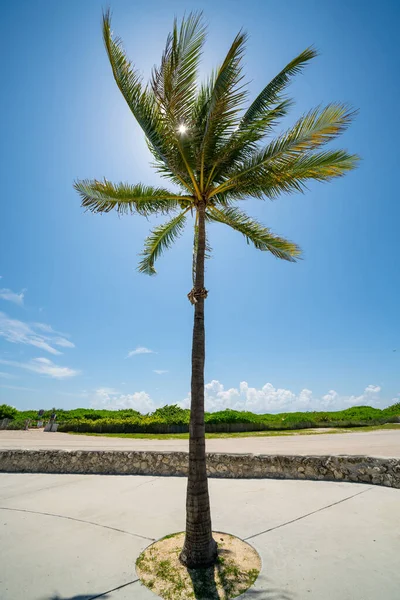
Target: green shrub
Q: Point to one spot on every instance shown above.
(173, 419)
(16, 425)
(172, 414)
(393, 410)
(7, 411)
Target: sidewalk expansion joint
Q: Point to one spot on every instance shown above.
(45, 514)
(113, 590)
(307, 515)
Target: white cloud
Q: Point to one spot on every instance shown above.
(44, 327)
(140, 350)
(42, 366)
(107, 391)
(266, 399)
(6, 375)
(63, 342)
(110, 399)
(160, 371)
(372, 389)
(59, 340)
(18, 332)
(370, 396)
(11, 296)
(269, 399)
(47, 328)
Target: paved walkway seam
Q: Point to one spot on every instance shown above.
(113, 590)
(46, 514)
(250, 537)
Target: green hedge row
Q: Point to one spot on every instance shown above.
(173, 419)
(89, 414)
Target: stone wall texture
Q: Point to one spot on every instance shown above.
(360, 469)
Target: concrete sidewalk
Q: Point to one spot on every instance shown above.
(76, 537)
(381, 443)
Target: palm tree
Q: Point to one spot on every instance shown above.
(215, 152)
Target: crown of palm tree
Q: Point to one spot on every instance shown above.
(211, 147)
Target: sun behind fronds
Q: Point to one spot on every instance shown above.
(214, 146)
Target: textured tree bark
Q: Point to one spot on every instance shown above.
(200, 549)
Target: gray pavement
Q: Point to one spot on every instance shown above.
(383, 443)
(76, 537)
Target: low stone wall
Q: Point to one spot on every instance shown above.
(360, 469)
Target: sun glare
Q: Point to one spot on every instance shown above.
(182, 129)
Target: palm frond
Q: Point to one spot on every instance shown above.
(321, 166)
(174, 82)
(260, 236)
(261, 116)
(243, 143)
(316, 128)
(129, 82)
(174, 86)
(160, 239)
(143, 105)
(271, 94)
(218, 103)
(291, 176)
(104, 196)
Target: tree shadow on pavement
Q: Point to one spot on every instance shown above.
(203, 581)
(205, 588)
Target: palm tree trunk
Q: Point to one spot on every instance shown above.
(200, 549)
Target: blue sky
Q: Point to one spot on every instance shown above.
(321, 333)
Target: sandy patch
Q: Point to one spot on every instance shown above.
(237, 568)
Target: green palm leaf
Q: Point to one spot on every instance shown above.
(143, 105)
(104, 196)
(311, 131)
(129, 82)
(270, 95)
(219, 101)
(262, 115)
(243, 143)
(160, 239)
(174, 82)
(291, 176)
(257, 234)
(174, 87)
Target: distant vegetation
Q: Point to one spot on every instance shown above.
(8, 412)
(173, 419)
